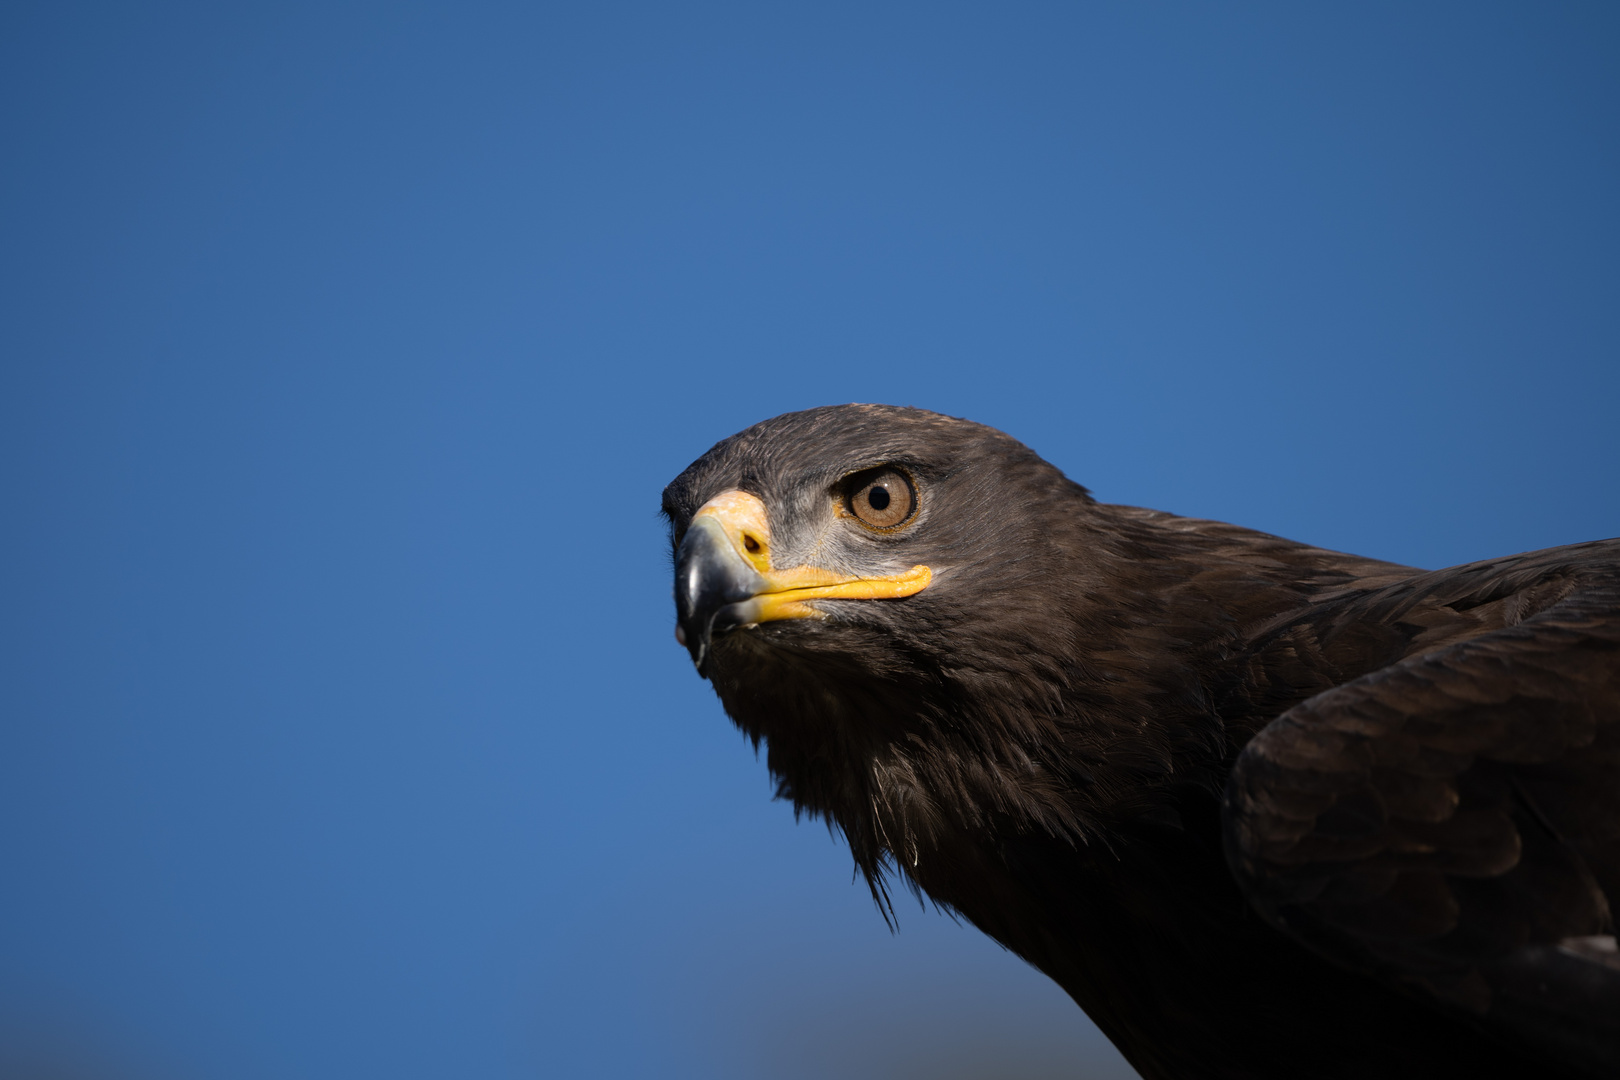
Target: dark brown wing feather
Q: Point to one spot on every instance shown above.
(1451, 822)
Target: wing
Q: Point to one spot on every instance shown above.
(1451, 822)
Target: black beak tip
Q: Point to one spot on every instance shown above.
(696, 643)
(697, 646)
(709, 577)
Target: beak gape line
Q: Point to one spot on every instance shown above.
(724, 578)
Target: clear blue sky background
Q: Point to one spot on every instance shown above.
(345, 348)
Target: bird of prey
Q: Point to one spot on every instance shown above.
(1262, 809)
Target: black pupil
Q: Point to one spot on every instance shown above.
(879, 498)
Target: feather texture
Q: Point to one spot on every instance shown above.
(1262, 809)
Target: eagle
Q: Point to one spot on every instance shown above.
(1262, 809)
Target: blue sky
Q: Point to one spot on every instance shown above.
(345, 349)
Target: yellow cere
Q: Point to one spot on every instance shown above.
(746, 523)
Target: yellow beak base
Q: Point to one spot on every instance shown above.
(784, 593)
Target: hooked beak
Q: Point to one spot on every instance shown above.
(724, 578)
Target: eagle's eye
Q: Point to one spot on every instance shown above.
(882, 498)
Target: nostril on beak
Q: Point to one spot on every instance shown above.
(711, 575)
(750, 544)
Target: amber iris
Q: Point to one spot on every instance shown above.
(882, 498)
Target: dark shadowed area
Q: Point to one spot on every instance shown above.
(345, 350)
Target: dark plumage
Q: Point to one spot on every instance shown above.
(1262, 809)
